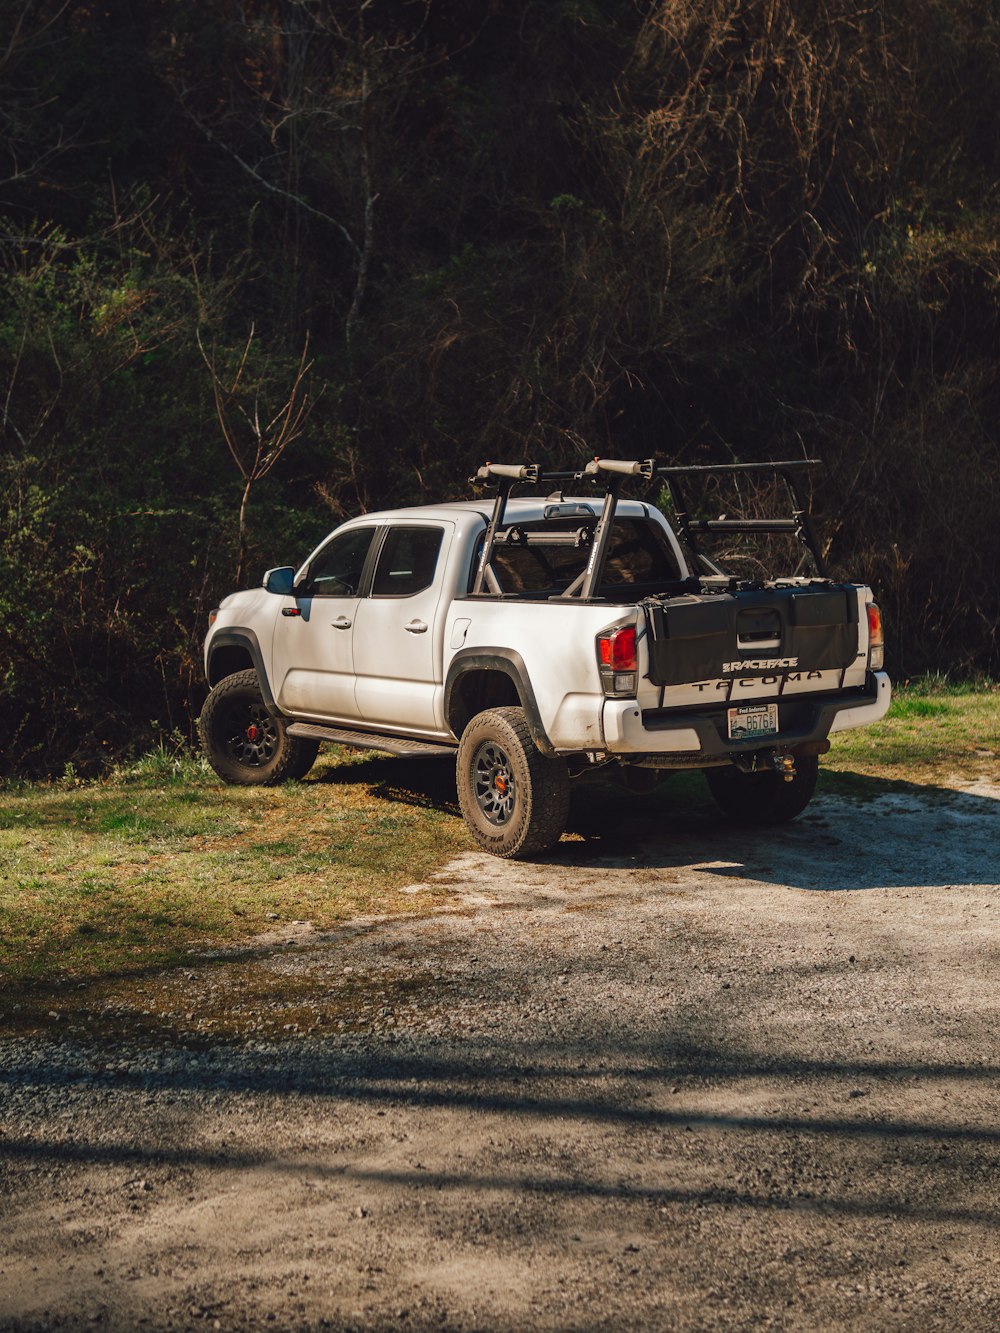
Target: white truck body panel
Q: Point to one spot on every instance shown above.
(863, 715)
(313, 658)
(566, 685)
(398, 654)
(625, 734)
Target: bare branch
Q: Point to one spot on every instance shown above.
(263, 444)
(268, 185)
(18, 37)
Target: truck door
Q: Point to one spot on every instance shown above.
(397, 639)
(313, 636)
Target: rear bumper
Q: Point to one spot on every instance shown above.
(863, 714)
(701, 732)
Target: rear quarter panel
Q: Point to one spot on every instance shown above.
(556, 641)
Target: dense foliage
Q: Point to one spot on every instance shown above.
(265, 262)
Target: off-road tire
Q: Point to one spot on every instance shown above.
(303, 759)
(763, 798)
(515, 800)
(245, 744)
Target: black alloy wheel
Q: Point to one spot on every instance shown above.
(494, 782)
(252, 737)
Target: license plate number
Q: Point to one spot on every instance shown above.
(753, 720)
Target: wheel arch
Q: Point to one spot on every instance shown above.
(481, 678)
(237, 649)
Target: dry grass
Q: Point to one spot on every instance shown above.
(111, 892)
(137, 872)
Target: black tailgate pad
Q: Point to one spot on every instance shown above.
(698, 638)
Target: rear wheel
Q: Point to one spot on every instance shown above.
(763, 798)
(515, 800)
(245, 744)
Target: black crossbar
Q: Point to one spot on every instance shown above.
(518, 537)
(743, 525)
(711, 469)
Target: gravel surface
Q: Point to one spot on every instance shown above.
(705, 1080)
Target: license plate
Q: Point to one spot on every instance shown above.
(752, 721)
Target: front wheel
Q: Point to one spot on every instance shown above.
(515, 800)
(245, 744)
(763, 798)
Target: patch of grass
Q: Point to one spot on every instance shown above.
(935, 730)
(908, 705)
(109, 886)
(159, 861)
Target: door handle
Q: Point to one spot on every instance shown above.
(341, 623)
(416, 627)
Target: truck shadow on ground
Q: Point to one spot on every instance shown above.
(858, 833)
(428, 783)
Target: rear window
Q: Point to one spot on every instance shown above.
(407, 561)
(639, 556)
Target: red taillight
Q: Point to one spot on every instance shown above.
(213, 617)
(876, 637)
(616, 661)
(616, 649)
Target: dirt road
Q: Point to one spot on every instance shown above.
(706, 1080)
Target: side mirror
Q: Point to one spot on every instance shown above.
(280, 581)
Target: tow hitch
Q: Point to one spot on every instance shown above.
(782, 764)
(785, 765)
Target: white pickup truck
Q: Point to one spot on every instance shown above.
(541, 640)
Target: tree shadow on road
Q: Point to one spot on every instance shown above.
(622, 1086)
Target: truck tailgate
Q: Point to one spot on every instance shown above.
(746, 642)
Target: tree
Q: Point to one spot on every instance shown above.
(258, 439)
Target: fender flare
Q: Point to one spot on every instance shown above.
(240, 636)
(510, 664)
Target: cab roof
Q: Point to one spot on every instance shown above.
(525, 508)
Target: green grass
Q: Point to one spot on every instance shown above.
(136, 871)
(934, 731)
(104, 886)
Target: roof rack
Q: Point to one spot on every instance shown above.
(506, 476)
(789, 470)
(614, 472)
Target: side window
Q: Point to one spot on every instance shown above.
(407, 561)
(336, 570)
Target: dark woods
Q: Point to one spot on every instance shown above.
(264, 264)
